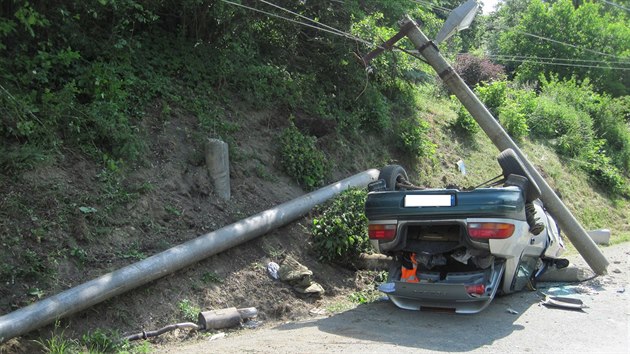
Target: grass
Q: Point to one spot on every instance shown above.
(592, 206)
(189, 310)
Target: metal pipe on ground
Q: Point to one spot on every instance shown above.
(115, 283)
(578, 236)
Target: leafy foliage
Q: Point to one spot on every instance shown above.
(513, 120)
(340, 231)
(412, 138)
(301, 159)
(465, 123)
(593, 40)
(475, 70)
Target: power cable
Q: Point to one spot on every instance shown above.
(567, 44)
(345, 34)
(338, 33)
(615, 5)
(432, 6)
(565, 64)
(500, 56)
(329, 29)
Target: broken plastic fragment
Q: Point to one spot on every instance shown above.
(272, 270)
(387, 287)
(567, 303)
(512, 311)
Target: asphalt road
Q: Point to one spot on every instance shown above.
(514, 323)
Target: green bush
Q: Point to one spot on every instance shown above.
(465, 123)
(412, 137)
(340, 231)
(599, 166)
(301, 159)
(513, 120)
(493, 95)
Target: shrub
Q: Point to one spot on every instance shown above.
(465, 123)
(340, 232)
(513, 120)
(599, 166)
(493, 95)
(301, 159)
(412, 137)
(474, 70)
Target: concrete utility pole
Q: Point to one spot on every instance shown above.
(578, 236)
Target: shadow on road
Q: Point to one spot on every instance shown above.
(384, 322)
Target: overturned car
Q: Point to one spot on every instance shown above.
(455, 250)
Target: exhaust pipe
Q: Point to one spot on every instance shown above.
(115, 283)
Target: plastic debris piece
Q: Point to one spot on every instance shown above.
(512, 311)
(387, 287)
(217, 336)
(318, 311)
(251, 324)
(272, 270)
(567, 303)
(462, 167)
(621, 290)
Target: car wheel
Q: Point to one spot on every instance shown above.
(392, 174)
(511, 164)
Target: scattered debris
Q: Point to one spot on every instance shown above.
(512, 311)
(149, 334)
(217, 336)
(299, 276)
(252, 324)
(567, 303)
(387, 287)
(225, 318)
(600, 236)
(272, 270)
(568, 274)
(318, 311)
(461, 166)
(621, 290)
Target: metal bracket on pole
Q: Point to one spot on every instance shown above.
(578, 236)
(387, 45)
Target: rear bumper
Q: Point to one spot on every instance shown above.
(447, 294)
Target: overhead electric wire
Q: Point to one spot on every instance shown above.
(332, 30)
(565, 64)
(432, 6)
(564, 43)
(615, 5)
(337, 32)
(552, 58)
(345, 34)
(329, 29)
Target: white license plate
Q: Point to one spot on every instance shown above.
(429, 200)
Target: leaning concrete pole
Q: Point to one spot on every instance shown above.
(578, 236)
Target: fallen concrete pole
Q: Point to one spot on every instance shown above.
(115, 283)
(578, 236)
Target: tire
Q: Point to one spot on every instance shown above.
(390, 175)
(511, 164)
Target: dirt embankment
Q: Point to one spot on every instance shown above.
(73, 220)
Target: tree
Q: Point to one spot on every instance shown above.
(585, 42)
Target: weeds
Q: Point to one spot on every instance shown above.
(212, 277)
(58, 343)
(188, 310)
